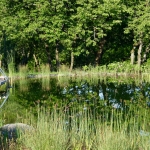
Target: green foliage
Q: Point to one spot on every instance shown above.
(39, 27)
(31, 66)
(13, 112)
(138, 22)
(138, 25)
(73, 113)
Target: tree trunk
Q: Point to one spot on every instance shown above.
(36, 62)
(72, 61)
(139, 53)
(132, 56)
(145, 53)
(48, 56)
(100, 52)
(57, 57)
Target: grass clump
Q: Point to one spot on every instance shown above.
(57, 130)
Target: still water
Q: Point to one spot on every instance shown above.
(83, 92)
(97, 97)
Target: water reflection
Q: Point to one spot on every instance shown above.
(98, 97)
(114, 94)
(100, 100)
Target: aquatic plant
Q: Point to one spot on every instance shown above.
(59, 130)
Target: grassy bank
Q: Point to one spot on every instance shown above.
(56, 130)
(113, 69)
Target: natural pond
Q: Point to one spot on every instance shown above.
(81, 113)
(102, 100)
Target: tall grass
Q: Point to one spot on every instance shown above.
(11, 67)
(115, 69)
(57, 130)
(64, 68)
(45, 70)
(23, 71)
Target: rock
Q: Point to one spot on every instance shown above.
(13, 131)
(10, 132)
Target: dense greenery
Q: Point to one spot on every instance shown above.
(73, 32)
(83, 113)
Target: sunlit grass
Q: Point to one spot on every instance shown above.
(12, 112)
(59, 131)
(116, 69)
(64, 68)
(23, 71)
(76, 128)
(45, 69)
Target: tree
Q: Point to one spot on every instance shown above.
(140, 27)
(97, 18)
(34, 26)
(73, 32)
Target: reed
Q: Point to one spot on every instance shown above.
(23, 71)
(59, 130)
(11, 68)
(45, 70)
(115, 69)
(64, 68)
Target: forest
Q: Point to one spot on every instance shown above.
(74, 32)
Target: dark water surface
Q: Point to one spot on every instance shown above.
(114, 94)
(98, 97)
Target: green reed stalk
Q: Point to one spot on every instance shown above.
(60, 130)
(23, 71)
(11, 66)
(45, 69)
